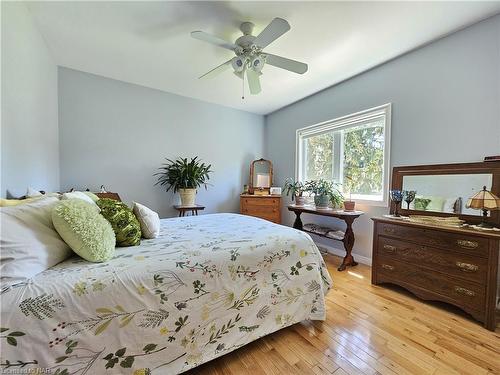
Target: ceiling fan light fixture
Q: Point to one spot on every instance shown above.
(257, 63)
(238, 63)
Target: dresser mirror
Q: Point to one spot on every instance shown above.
(261, 176)
(443, 190)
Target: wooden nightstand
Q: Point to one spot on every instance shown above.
(266, 207)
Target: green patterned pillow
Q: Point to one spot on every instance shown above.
(84, 230)
(122, 219)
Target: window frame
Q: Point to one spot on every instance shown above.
(346, 122)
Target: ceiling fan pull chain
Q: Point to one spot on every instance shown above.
(243, 88)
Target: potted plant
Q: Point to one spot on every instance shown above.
(297, 189)
(350, 204)
(325, 193)
(185, 177)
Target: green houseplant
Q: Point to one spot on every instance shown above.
(296, 189)
(325, 193)
(185, 177)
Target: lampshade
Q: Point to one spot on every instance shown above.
(484, 200)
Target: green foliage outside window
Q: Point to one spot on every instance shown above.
(363, 158)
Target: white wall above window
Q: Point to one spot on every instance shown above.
(352, 150)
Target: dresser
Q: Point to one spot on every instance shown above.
(266, 207)
(453, 265)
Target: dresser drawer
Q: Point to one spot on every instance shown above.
(259, 210)
(259, 202)
(447, 261)
(459, 292)
(467, 244)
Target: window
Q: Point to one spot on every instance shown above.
(352, 150)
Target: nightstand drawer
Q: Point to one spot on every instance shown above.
(453, 263)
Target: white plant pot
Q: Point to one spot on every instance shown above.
(188, 196)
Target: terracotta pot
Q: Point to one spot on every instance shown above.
(349, 205)
(300, 201)
(188, 196)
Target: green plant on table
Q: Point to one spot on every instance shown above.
(295, 188)
(322, 188)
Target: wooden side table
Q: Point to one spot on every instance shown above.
(194, 209)
(348, 217)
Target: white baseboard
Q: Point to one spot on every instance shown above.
(341, 253)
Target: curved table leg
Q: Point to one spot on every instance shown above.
(348, 245)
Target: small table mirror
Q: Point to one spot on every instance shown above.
(261, 177)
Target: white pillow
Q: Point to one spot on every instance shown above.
(78, 195)
(30, 193)
(29, 243)
(148, 219)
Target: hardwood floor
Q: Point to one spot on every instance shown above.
(370, 330)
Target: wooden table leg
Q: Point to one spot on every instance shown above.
(348, 245)
(180, 213)
(297, 224)
(196, 212)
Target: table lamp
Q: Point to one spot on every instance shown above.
(484, 200)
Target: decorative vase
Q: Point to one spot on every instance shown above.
(397, 198)
(349, 206)
(409, 196)
(321, 201)
(188, 197)
(300, 201)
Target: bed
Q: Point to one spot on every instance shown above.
(208, 285)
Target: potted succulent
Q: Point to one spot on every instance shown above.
(297, 189)
(325, 193)
(185, 177)
(350, 204)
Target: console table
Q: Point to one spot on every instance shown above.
(346, 216)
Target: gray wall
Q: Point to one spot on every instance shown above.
(29, 131)
(117, 134)
(445, 108)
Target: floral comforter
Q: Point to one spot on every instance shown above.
(208, 285)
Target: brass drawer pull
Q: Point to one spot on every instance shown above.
(465, 292)
(388, 267)
(467, 267)
(390, 248)
(467, 244)
(388, 230)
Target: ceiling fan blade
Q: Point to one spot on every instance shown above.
(284, 63)
(273, 31)
(201, 35)
(217, 70)
(253, 81)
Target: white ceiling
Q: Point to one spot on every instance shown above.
(148, 43)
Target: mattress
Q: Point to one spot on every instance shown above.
(208, 285)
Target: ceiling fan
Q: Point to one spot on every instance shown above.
(250, 59)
